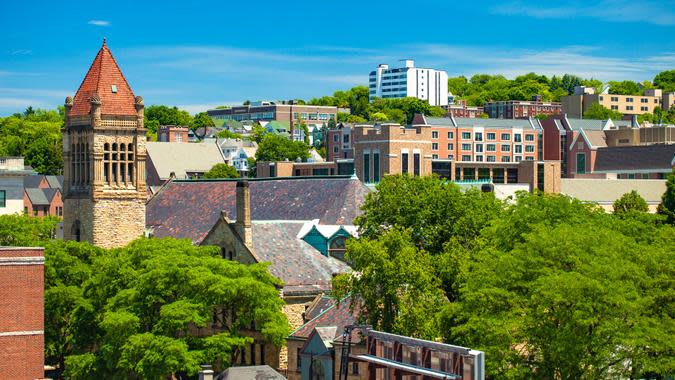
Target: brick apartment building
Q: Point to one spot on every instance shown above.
(339, 143)
(270, 111)
(173, 133)
(518, 109)
(575, 105)
(460, 109)
(21, 313)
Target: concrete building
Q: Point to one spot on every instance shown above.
(520, 109)
(12, 174)
(409, 81)
(173, 133)
(575, 105)
(21, 313)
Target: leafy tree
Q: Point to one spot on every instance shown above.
(667, 206)
(26, 231)
(379, 116)
(597, 111)
(202, 120)
(158, 115)
(355, 119)
(221, 171)
(630, 202)
(257, 133)
(227, 134)
(627, 87)
(132, 312)
(278, 148)
(665, 80)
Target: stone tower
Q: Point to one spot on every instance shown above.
(104, 158)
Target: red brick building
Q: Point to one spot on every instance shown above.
(339, 143)
(518, 109)
(172, 133)
(42, 195)
(21, 313)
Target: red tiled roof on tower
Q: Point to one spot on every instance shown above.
(105, 79)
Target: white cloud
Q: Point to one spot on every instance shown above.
(20, 103)
(36, 92)
(652, 12)
(98, 22)
(22, 52)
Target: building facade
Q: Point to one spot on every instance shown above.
(104, 158)
(409, 81)
(21, 313)
(339, 143)
(173, 133)
(574, 106)
(12, 175)
(519, 109)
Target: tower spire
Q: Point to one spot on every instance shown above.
(104, 44)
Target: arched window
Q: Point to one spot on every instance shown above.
(76, 230)
(318, 372)
(73, 164)
(106, 163)
(337, 247)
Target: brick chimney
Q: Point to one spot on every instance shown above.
(243, 223)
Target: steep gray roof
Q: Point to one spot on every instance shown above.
(628, 159)
(181, 158)
(586, 124)
(41, 197)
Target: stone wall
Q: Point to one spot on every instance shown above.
(116, 222)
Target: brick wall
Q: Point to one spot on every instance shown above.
(21, 313)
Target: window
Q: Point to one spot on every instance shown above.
(581, 163)
(629, 108)
(529, 148)
(466, 157)
(434, 146)
(506, 148)
(491, 158)
(506, 159)
(450, 156)
(434, 156)
(643, 108)
(615, 107)
(336, 138)
(416, 164)
(506, 136)
(466, 135)
(376, 167)
(519, 158)
(491, 136)
(491, 147)
(479, 148)
(644, 100)
(479, 136)
(466, 146)
(338, 248)
(113, 88)
(517, 137)
(336, 149)
(3, 198)
(345, 139)
(252, 353)
(451, 146)
(479, 158)
(529, 137)
(518, 149)
(615, 98)
(366, 167)
(318, 372)
(451, 135)
(355, 368)
(298, 366)
(629, 100)
(404, 162)
(434, 134)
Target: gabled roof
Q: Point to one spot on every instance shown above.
(593, 138)
(189, 209)
(337, 316)
(41, 197)
(642, 158)
(55, 181)
(321, 303)
(589, 124)
(102, 75)
(33, 181)
(302, 268)
(181, 158)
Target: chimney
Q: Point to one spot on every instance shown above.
(243, 223)
(206, 373)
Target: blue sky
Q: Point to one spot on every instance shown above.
(201, 54)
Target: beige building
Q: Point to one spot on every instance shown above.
(576, 105)
(104, 155)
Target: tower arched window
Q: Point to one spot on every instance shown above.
(123, 166)
(76, 230)
(73, 164)
(106, 163)
(130, 164)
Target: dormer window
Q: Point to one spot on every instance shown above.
(114, 89)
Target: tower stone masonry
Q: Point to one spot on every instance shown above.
(104, 158)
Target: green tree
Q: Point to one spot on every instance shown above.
(221, 171)
(627, 87)
(379, 116)
(665, 80)
(279, 148)
(227, 134)
(26, 231)
(202, 120)
(597, 111)
(630, 202)
(158, 115)
(257, 133)
(667, 206)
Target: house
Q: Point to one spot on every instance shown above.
(182, 160)
(12, 174)
(272, 220)
(237, 152)
(43, 195)
(21, 313)
(173, 133)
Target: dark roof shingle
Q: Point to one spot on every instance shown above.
(633, 158)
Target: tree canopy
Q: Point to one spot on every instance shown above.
(157, 115)
(221, 171)
(547, 286)
(630, 202)
(279, 148)
(134, 312)
(597, 111)
(36, 136)
(665, 80)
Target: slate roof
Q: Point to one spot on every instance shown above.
(255, 372)
(635, 158)
(320, 304)
(41, 197)
(55, 181)
(335, 316)
(302, 268)
(596, 139)
(586, 124)
(189, 209)
(180, 157)
(32, 181)
(102, 75)
(606, 191)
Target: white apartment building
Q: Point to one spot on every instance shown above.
(426, 84)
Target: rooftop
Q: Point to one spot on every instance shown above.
(626, 159)
(182, 158)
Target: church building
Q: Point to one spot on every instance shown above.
(104, 156)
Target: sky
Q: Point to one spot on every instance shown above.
(200, 54)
